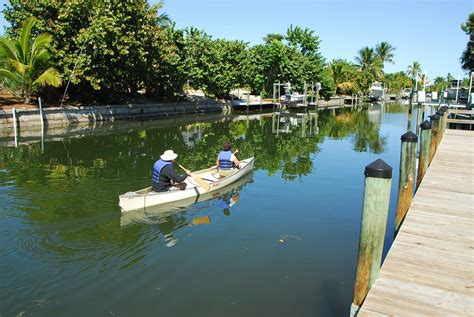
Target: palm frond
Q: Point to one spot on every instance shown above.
(17, 65)
(6, 74)
(49, 77)
(8, 48)
(40, 43)
(25, 36)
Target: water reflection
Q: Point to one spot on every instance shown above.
(60, 216)
(283, 121)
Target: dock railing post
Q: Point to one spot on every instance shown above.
(378, 180)
(434, 119)
(406, 183)
(424, 151)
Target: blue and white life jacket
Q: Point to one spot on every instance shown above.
(224, 160)
(157, 167)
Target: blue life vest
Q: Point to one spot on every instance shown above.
(224, 160)
(157, 167)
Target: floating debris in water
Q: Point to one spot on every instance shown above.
(287, 237)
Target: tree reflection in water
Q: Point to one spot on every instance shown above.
(69, 193)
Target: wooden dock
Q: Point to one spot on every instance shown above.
(429, 270)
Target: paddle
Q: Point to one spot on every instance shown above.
(198, 179)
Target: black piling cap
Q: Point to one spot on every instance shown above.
(440, 112)
(409, 137)
(425, 125)
(378, 169)
(434, 117)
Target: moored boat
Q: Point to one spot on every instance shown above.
(146, 197)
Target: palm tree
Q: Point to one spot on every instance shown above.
(26, 61)
(162, 19)
(413, 71)
(467, 57)
(385, 51)
(370, 66)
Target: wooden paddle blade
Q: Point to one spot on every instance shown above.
(205, 185)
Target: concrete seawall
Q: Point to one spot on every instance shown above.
(31, 120)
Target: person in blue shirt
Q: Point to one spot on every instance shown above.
(164, 176)
(226, 161)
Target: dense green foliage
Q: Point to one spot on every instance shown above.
(467, 58)
(112, 50)
(26, 62)
(395, 82)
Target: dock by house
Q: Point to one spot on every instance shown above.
(429, 270)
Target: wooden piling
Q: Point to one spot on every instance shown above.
(419, 119)
(406, 183)
(442, 123)
(424, 151)
(15, 130)
(445, 117)
(378, 179)
(434, 119)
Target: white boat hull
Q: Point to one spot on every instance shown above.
(146, 197)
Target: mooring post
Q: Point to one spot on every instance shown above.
(406, 183)
(439, 113)
(378, 180)
(410, 115)
(445, 117)
(419, 119)
(14, 126)
(248, 102)
(424, 151)
(442, 122)
(434, 119)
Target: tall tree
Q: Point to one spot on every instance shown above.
(27, 61)
(467, 58)
(384, 51)
(413, 71)
(370, 66)
(344, 76)
(94, 37)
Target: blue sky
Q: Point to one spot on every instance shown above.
(425, 31)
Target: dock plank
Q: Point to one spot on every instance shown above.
(429, 270)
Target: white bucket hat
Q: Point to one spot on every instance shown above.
(168, 155)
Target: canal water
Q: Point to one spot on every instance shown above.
(281, 242)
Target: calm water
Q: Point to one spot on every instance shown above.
(281, 242)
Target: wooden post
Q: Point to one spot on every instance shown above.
(248, 102)
(424, 151)
(14, 126)
(418, 119)
(378, 179)
(406, 183)
(439, 134)
(410, 111)
(445, 117)
(434, 119)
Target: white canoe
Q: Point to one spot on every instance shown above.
(160, 213)
(146, 197)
